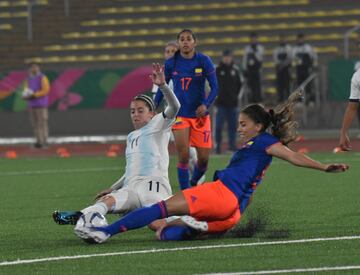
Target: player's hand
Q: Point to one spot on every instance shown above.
(103, 193)
(345, 142)
(201, 111)
(157, 76)
(336, 168)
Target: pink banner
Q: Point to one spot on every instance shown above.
(12, 81)
(59, 88)
(132, 84)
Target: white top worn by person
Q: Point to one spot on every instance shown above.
(147, 157)
(145, 181)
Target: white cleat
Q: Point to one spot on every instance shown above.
(195, 224)
(91, 234)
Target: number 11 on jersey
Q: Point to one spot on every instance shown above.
(157, 186)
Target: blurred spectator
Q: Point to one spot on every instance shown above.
(228, 75)
(305, 59)
(169, 51)
(36, 93)
(283, 58)
(252, 63)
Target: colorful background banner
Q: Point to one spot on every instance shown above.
(79, 88)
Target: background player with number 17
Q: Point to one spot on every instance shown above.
(189, 70)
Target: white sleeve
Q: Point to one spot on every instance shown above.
(154, 89)
(355, 86)
(171, 84)
(173, 104)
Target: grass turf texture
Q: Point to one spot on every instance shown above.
(291, 203)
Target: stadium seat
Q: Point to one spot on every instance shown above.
(199, 7)
(145, 57)
(222, 18)
(217, 29)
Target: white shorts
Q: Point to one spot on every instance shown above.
(140, 192)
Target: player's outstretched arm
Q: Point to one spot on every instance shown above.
(349, 116)
(158, 78)
(283, 152)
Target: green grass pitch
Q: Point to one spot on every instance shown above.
(291, 204)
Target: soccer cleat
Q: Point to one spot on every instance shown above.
(91, 234)
(195, 224)
(66, 217)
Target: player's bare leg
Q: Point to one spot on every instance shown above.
(182, 147)
(201, 166)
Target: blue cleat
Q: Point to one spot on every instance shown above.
(66, 217)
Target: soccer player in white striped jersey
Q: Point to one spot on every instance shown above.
(145, 181)
(351, 111)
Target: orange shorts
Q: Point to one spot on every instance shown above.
(224, 225)
(212, 201)
(200, 130)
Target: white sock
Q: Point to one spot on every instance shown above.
(99, 207)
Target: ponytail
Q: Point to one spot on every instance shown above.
(282, 119)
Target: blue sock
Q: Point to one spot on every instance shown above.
(136, 219)
(176, 233)
(183, 175)
(199, 171)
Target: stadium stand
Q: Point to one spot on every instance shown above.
(129, 34)
(139, 31)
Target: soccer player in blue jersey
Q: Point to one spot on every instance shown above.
(218, 205)
(170, 49)
(189, 71)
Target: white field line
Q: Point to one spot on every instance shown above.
(59, 171)
(296, 270)
(60, 258)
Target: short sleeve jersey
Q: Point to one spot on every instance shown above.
(147, 149)
(355, 87)
(247, 167)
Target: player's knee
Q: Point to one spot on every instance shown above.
(158, 224)
(184, 157)
(175, 233)
(203, 162)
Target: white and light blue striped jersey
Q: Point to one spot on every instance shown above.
(147, 149)
(355, 87)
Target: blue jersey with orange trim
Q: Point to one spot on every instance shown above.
(188, 76)
(247, 167)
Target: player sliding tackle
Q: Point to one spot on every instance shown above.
(145, 181)
(220, 204)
